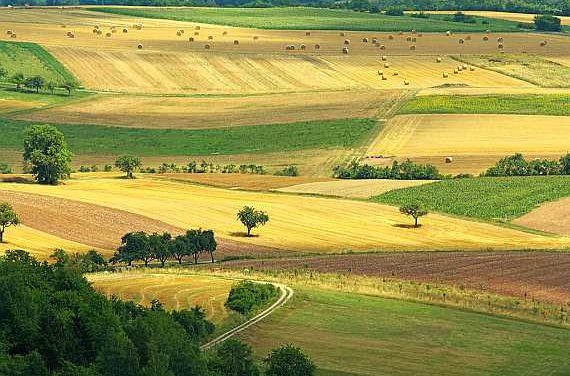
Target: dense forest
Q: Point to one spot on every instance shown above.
(558, 7)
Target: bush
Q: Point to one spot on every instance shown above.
(394, 12)
(246, 297)
(289, 360)
(462, 17)
(401, 171)
(526, 26)
(547, 23)
(517, 165)
(288, 171)
(5, 168)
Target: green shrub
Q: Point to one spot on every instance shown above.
(246, 296)
(288, 171)
(547, 23)
(5, 168)
(400, 171)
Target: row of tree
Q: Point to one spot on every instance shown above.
(517, 165)
(36, 82)
(406, 170)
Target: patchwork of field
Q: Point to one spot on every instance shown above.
(392, 337)
(517, 274)
(298, 223)
(474, 142)
(510, 16)
(174, 291)
(220, 111)
(352, 188)
(550, 217)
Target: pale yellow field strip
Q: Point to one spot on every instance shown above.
(450, 135)
(297, 223)
(353, 188)
(174, 291)
(509, 16)
(39, 244)
(196, 113)
(492, 91)
(551, 217)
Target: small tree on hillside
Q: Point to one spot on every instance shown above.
(252, 218)
(415, 211)
(128, 164)
(8, 217)
(35, 83)
(289, 360)
(46, 152)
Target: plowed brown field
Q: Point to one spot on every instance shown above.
(551, 217)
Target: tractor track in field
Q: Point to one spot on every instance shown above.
(285, 295)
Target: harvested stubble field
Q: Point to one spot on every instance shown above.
(298, 223)
(174, 291)
(550, 217)
(77, 226)
(474, 141)
(220, 111)
(506, 273)
(509, 16)
(352, 188)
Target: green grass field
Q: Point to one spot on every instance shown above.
(312, 19)
(32, 59)
(534, 104)
(350, 334)
(101, 140)
(500, 199)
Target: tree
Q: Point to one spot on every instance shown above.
(180, 247)
(565, 164)
(133, 245)
(547, 23)
(69, 86)
(159, 246)
(289, 360)
(51, 86)
(207, 242)
(233, 358)
(19, 80)
(252, 218)
(414, 210)
(8, 217)
(128, 164)
(35, 82)
(46, 152)
(3, 73)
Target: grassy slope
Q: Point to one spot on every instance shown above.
(489, 104)
(100, 140)
(484, 198)
(311, 18)
(350, 334)
(32, 59)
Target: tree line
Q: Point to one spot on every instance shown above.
(406, 170)
(517, 165)
(53, 323)
(35, 82)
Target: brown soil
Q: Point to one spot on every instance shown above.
(550, 217)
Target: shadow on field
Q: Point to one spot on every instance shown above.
(401, 225)
(241, 234)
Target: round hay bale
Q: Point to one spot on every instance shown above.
(500, 46)
(196, 33)
(472, 68)
(342, 34)
(303, 47)
(96, 27)
(99, 32)
(386, 65)
(9, 32)
(197, 28)
(108, 34)
(395, 73)
(543, 43)
(384, 78)
(63, 26)
(380, 72)
(255, 37)
(414, 40)
(347, 41)
(448, 159)
(364, 40)
(181, 31)
(461, 41)
(485, 38)
(391, 37)
(207, 46)
(412, 47)
(500, 40)
(225, 33)
(408, 39)
(210, 37)
(382, 47)
(384, 58)
(140, 46)
(413, 31)
(125, 30)
(345, 50)
(448, 33)
(459, 68)
(468, 37)
(191, 39)
(307, 33)
(94, 31)
(178, 33)
(317, 46)
(455, 71)
(406, 82)
(236, 42)
(464, 66)
(438, 60)
(375, 40)
(445, 75)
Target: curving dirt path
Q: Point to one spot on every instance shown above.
(285, 294)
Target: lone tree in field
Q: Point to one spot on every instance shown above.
(35, 82)
(46, 153)
(289, 360)
(414, 210)
(128, 164)
(252, 218)
(8, 217)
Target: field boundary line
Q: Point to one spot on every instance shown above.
(285, 294)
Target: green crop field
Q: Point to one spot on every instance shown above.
(312, 19)
(500, 199)
(532, 104)
(350, 334)
(32, 59)
(101, 140)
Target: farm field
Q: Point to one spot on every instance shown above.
(531, 104)
(352, 188)
(474, 141)
(403, 338)
(303, 224)
(513, 273)
(500, 199)
(174, 291)
(220, 111)
(509, 16)
(550, 217)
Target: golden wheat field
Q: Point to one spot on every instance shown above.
(298, 223)
(206, 112)
(174, 291)
(473, 141)
(509, 16)
(352, 188)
